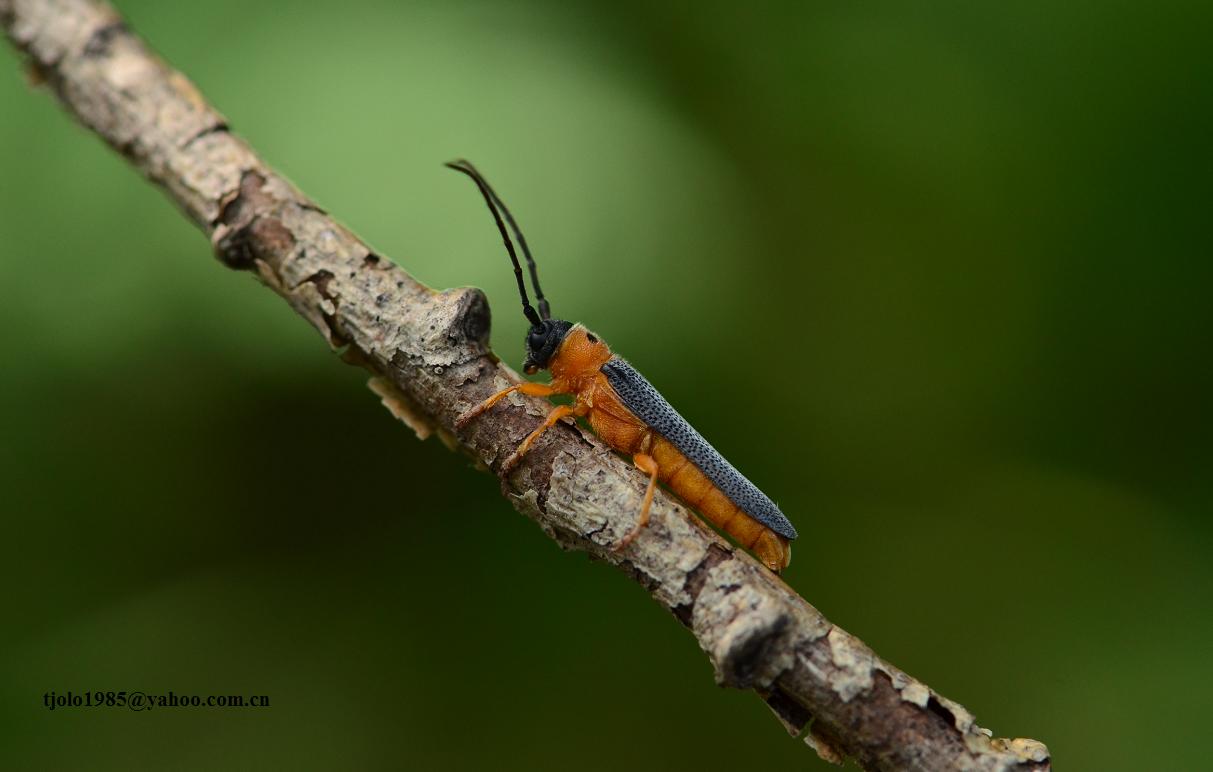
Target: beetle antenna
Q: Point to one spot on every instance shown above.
(527, 309)
(545, 310)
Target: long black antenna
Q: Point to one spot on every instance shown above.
(527, 309)
(465, 166)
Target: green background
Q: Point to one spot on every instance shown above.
(937, 279)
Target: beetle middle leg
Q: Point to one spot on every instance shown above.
(645, 463)
(526, 387)
(559, 412)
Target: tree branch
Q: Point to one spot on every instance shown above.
(430, 356)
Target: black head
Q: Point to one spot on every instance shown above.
(542, 341)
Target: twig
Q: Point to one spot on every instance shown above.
(430, 356)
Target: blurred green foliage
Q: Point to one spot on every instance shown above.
(937, 278)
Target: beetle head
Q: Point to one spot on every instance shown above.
(542, 342)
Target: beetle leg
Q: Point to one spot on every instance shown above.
(526, 387)
(646, 464)
(560, 412)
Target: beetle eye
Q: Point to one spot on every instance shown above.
(535, 340)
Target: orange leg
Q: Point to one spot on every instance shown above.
(526, 387)
(560, 412)
(646, 464)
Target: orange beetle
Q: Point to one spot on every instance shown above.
(632, 417)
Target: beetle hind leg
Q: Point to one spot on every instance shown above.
(646, 464)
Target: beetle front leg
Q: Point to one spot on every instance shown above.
(526, 387)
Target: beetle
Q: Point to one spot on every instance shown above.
(631, 416)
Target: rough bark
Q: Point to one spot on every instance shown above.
(431, 360)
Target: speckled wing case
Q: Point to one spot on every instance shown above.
(647, 404)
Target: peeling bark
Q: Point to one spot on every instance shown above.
(431, 360)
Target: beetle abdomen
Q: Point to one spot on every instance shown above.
(691, 485)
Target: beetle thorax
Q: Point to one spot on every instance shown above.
(580, 356)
